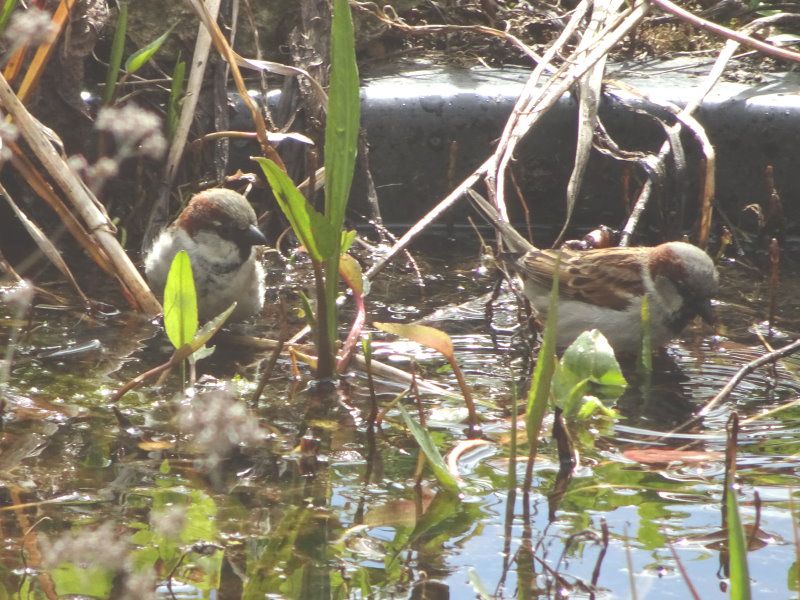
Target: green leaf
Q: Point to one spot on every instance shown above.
(348, 237)
(175, 97)
(737, 549)
(591, 405)
(591, 357)
(350, 271)
(431, 452)
(344, 115)
(311, 228)
(5, 13)
(140, 58)
(117, 48)
(539, 391)
(180, 301)
(568, 391)
(308, 311)
(70, 579)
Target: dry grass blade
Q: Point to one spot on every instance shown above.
(227, 53)
(590, 90)
(159, 211)
(525, 115)
(708, 167)
(85, 203)
(43, 189)
(45, 245)
(40, 59)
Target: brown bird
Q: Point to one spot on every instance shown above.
(218, 230)
(603, 288)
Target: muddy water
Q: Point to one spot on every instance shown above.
(289, 499)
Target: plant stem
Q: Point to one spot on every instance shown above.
(326, 320)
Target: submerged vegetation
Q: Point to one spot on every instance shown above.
(358, 465)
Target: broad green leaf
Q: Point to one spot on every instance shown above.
(180, 301)
(140, 58)
(422, 334)
(591, 357)
(431, 452)
(175, 97)
(344, 115)
(117, 48)
(311, 228)
(72, 579)
(737, 549)
(539, 391)
(567, 391)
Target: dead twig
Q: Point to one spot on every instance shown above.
(744, 371)
(84, 201)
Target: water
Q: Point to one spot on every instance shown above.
(294, 498)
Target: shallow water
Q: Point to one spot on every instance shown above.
(312, 505)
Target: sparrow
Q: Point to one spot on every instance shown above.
(603, 288)
(218, 230)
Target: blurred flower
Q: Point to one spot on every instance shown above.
(217, 422)
(131, 126)
(32, 26)
(8, 133)
(99, 547)
(169, 522)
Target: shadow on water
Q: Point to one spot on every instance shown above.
(211, 497)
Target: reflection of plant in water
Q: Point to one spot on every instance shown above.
(96, 562)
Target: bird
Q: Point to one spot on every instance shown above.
(603, 288)
(218, 229)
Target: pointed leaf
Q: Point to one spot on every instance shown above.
(209, 329)
(344, 115)
(431, 452)
(175, 97)
(350, 271)
(539, 392)
(180, 301)
(348, 237)
(423, 335)
(310, 227)
(117, 48)
(737, 549)
(140, 58)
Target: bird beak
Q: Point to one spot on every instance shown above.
(254, 237)
(705, 311)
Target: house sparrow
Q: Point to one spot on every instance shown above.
(603, 289)
(218, 230)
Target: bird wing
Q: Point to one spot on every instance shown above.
(610, 277)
